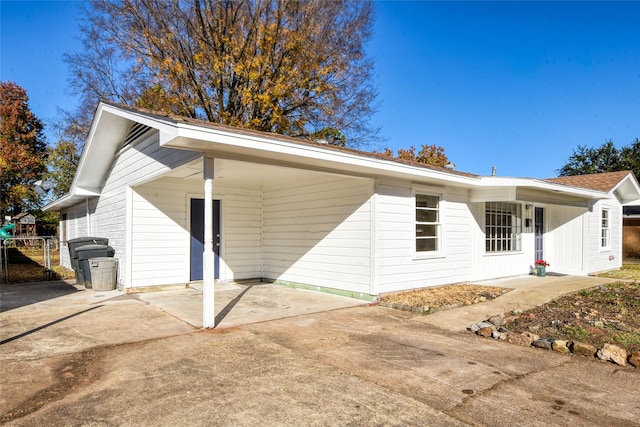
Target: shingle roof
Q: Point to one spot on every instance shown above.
(600, 181)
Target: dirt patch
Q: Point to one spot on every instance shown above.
(70, 374)
(429, 300)
(606, 314)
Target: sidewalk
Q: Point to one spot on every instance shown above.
(527, 292)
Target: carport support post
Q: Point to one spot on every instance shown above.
(208, 301)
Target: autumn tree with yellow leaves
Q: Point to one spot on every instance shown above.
(23, 151)
(294, 67)
(431, 155)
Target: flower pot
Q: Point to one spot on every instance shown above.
(541, 270)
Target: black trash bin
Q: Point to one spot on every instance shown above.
(74, 244)
(85, 253)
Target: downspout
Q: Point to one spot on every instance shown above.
(373, 227)
(88, 216)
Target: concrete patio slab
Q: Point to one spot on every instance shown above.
(249, 302)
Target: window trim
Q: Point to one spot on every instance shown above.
(433, 192)
(519, 229)
(605, 246)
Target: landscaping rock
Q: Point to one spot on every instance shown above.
(583, 349)
(494, 327)
(560, 346)
(485, 332)
(543, 343)
(477, 326)
(613, 353)
(520, 339)
(496, 320)
(634, 359)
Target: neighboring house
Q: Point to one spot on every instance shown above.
(631, 232)
(319, 216)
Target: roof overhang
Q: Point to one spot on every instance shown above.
(111, 124)
(233, 145)
(627, 191)
(495, 189)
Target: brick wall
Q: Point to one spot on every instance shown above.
(631, 238)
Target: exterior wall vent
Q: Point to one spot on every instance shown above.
(136, 131)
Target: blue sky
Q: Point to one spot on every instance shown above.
(516, 85)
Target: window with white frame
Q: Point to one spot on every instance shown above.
(605, 241)
(427, 223)
(503, 227)
(63, 228)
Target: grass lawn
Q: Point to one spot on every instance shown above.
(627, 272)
(26, 264)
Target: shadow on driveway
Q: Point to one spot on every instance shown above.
(16, 295)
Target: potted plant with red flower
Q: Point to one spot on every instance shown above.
(541, 267)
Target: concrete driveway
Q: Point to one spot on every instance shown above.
(69, 356)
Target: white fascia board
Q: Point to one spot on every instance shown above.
(105, 135)
(493, 194)
(193, 137)
(70, 199)
(59, 203)
(538, 184)
(627, 190)
(160, 123)
(108, 129)
(87, 192)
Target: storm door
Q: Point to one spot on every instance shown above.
(197, 238)
(538, 225)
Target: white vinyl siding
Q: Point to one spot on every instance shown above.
(318, 232)
(161, 231)
(159, 239)
(241, 231)
(106, 216)
(600, 258)
(397, 266)
(565, 243)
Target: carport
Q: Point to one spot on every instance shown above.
(264, 221)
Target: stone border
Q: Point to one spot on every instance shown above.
(429, 310)
(494, 328)
(420, 309)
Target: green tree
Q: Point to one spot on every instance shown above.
(62, 163)
(23, 151)
(605, 158)
(293, 67)
(630, 157)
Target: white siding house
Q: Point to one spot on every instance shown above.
(308, 214)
